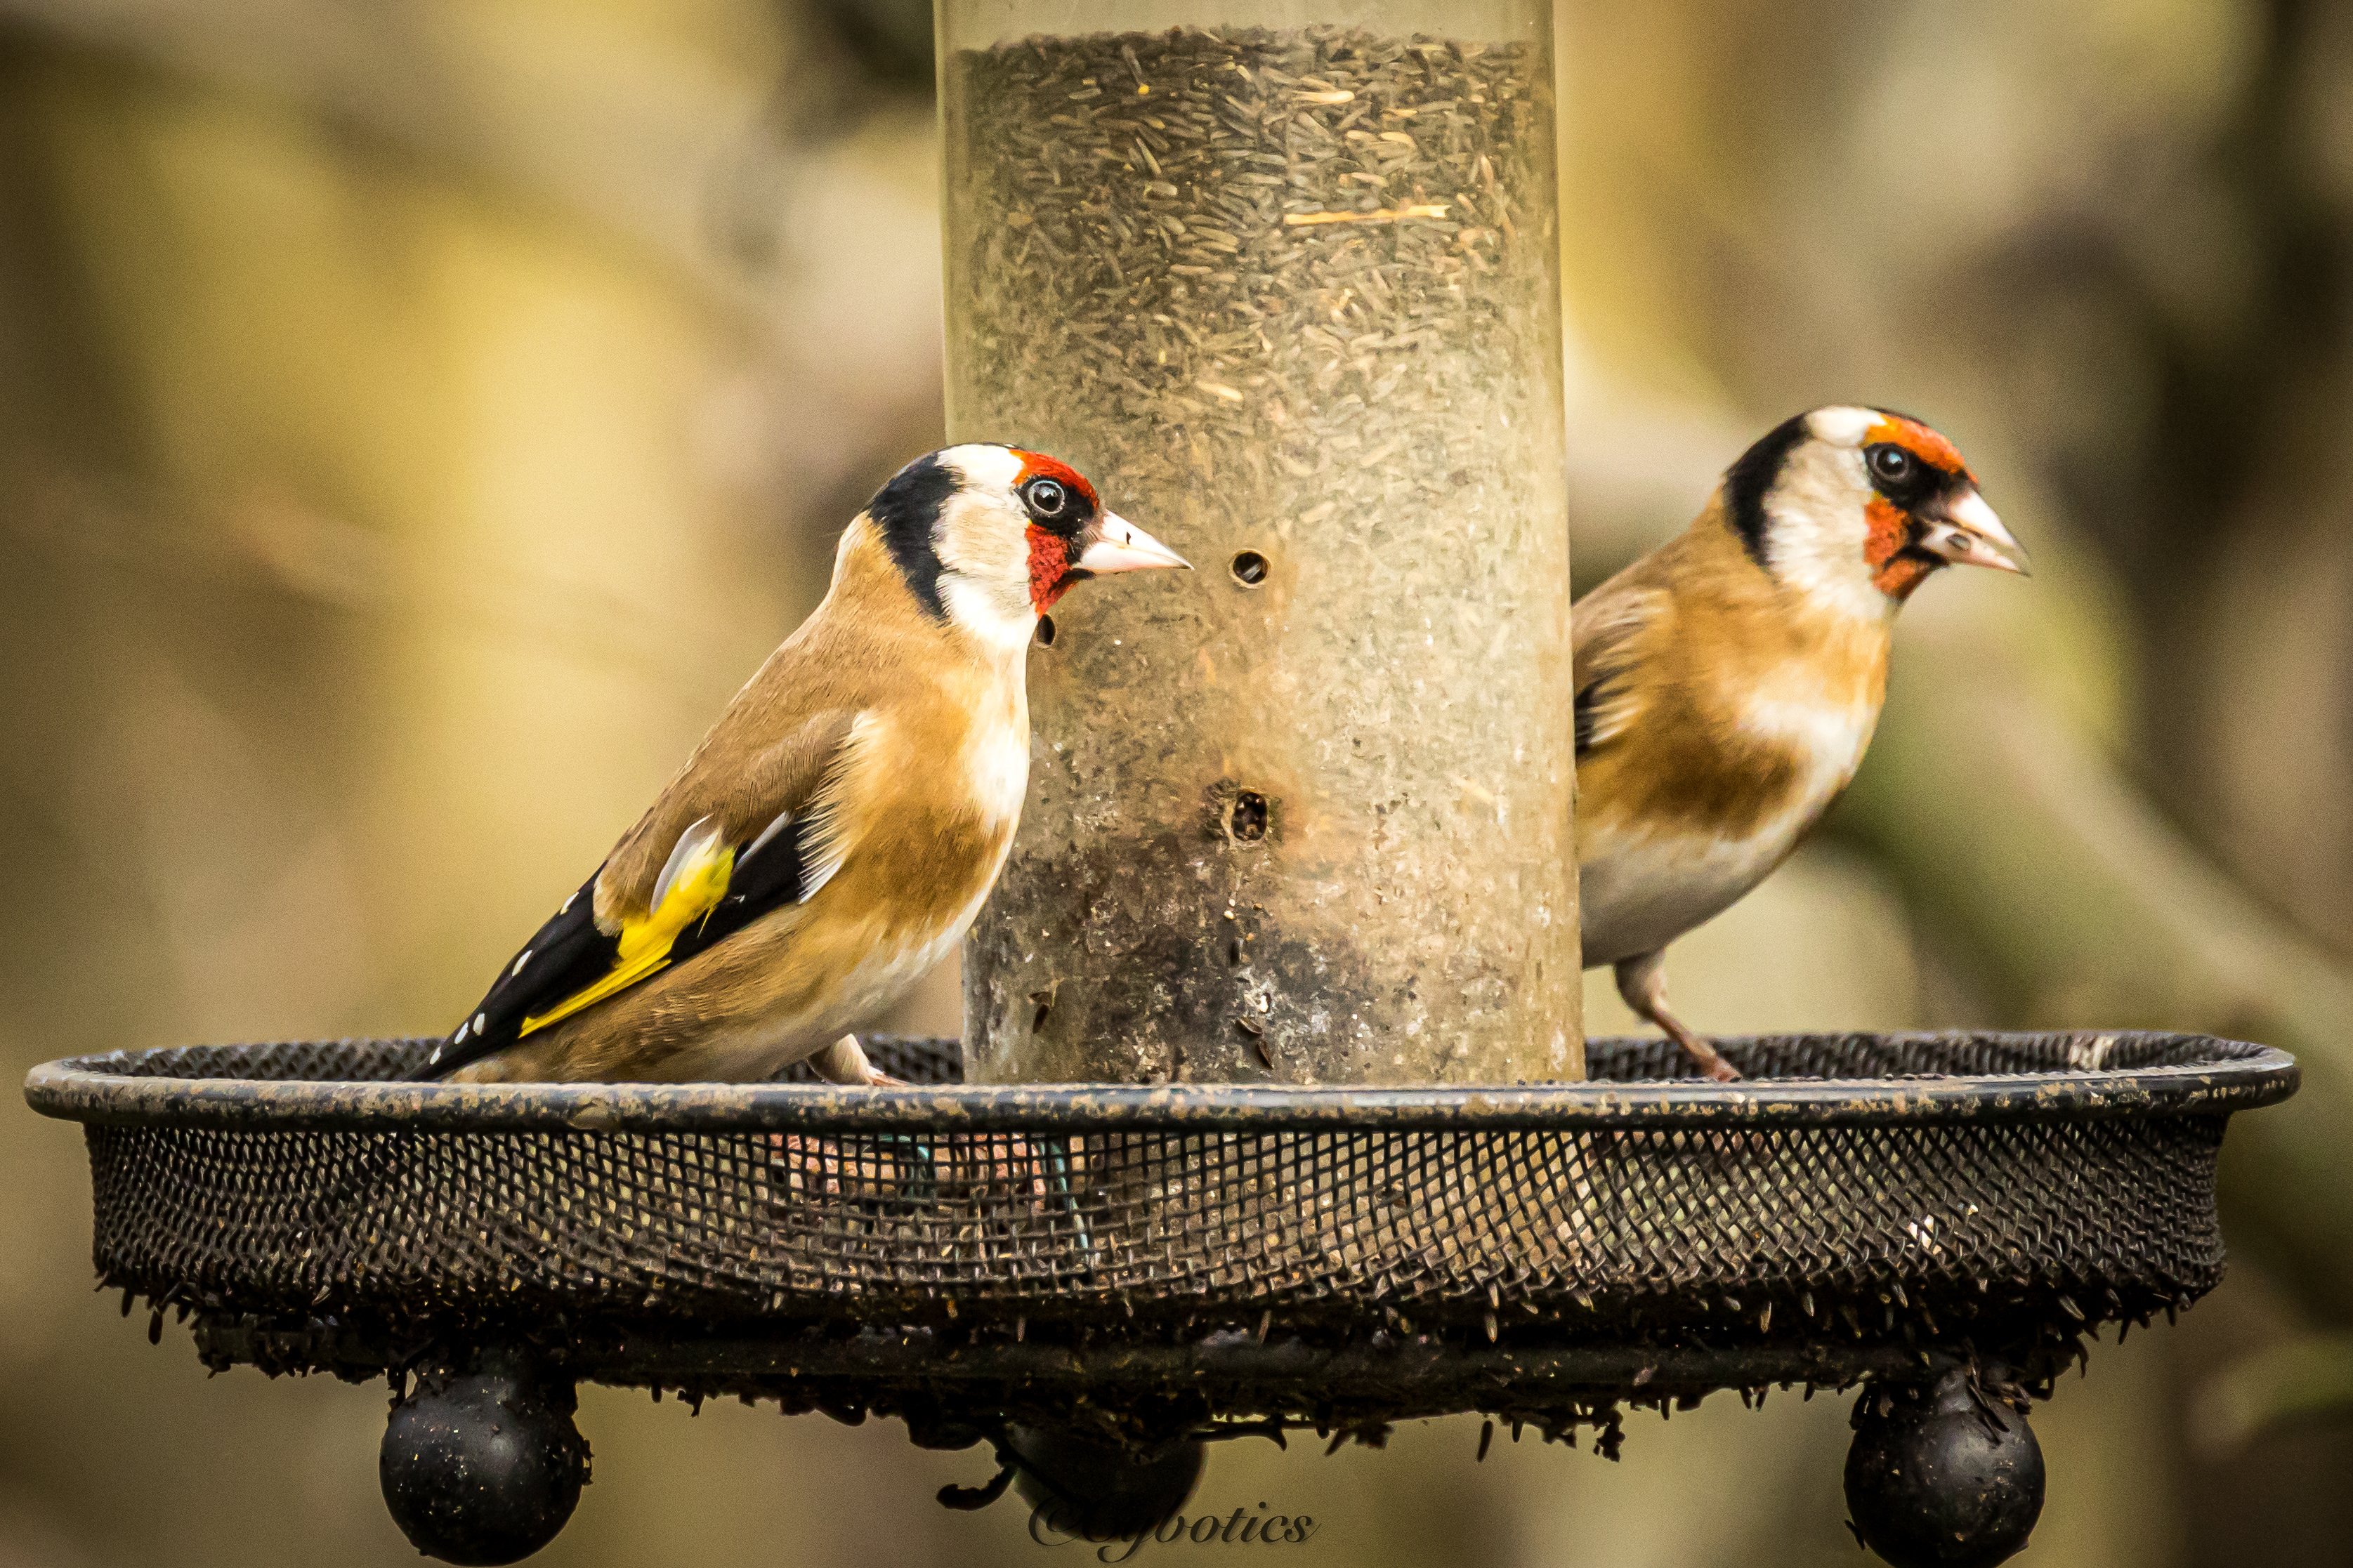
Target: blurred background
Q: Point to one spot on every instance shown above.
(417, 418)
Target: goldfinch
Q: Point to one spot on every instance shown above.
(835, 833)
(1727, 683)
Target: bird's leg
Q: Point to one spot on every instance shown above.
(844, 1062)
(1642, 982)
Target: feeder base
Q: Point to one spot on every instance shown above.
(1094, 1280)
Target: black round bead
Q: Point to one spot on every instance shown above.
(1099, 1490)
(1943, 1479)
(482, 1468)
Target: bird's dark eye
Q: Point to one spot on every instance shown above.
(1890, 464)
(1047, 497)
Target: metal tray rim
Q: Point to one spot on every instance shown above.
(96, 1091)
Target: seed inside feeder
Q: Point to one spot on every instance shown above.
(1281, 291)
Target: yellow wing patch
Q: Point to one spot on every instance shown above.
(691, 886)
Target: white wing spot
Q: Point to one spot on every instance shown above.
(699, 838)
(478, 1025)
(519, 963)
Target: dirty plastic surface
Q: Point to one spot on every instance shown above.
(1290, 297)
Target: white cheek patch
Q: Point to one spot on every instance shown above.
(983, 533)
(999, 614)
(982, 539)
(1818, 530)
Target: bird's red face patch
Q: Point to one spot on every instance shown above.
(1050, 568)
(1920, 441)
(1054, 539)
(1037, 466)
(1893, 573)
(1893, 516)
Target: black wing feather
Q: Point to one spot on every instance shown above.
(568, 954)
(768, 879)
(571, 953)
(1594, 695)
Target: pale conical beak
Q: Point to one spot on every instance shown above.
(1114, 544)
(1965, 532)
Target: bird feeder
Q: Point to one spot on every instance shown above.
(1092, 1281)
(1268, 1112)
(1290, 290)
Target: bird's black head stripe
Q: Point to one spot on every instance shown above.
(905, 510)
(1748, 480)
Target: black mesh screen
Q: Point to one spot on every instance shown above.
(1739, 1233)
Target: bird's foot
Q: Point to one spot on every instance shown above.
(844, 1062)
(1642, 982)
(1704, 1056)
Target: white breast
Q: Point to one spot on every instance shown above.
(996, 762)
(1639, 890)
(1830, 736)
(1636, 894)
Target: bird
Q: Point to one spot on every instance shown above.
(835, 833)
(1727, 683)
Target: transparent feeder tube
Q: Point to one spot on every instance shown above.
(1286, 286)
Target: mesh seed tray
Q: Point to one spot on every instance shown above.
(1859, 1204)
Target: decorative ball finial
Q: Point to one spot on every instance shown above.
(483, 1467)
(1942, 1477)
